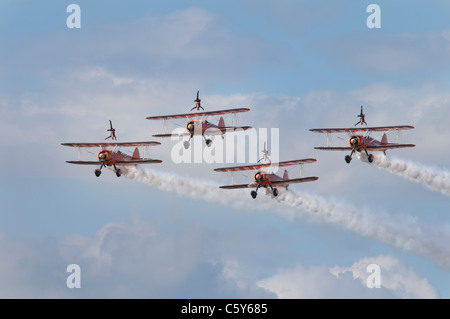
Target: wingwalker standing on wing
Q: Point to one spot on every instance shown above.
(364, 143)
(201, 127)
(264, 177)
(110, 155)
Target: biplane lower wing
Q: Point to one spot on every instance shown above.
(212, 131)
(258, 166)
(85, 162)
(236, 128)
(138, 161)
(295, 181)
(238, 186)
(283, 182)
(380, 147)
(331, 148)
(389, 146)
(106, 144)
(170, 135)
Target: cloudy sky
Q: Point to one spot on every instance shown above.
(166, 230)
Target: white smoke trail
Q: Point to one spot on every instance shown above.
(433, 178)
(401, 231)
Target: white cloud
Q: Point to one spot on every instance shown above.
(395, 276)
(397, 281)
(118, 261)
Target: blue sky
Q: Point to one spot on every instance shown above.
(297, 65)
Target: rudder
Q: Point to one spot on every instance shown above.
(221, 123)
(136, 154)
(286, 177)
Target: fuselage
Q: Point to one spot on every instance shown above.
(359, 142)
(200, 127)
(109, 158)
(264, 179)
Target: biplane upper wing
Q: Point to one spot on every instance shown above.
(130, 162)
(198, 114)
(106, 144)
(362, 129)
(296, 180)
(258, 166)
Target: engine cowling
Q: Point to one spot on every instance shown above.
(259, 177)
(354, 141)
(190, 126)
(104, 156)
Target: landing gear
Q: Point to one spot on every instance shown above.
(118, 171)
(275, 192)
(207, 141)
(98, 171)
(187, 143)
(348, 158)
(369, 156)
(255, 192)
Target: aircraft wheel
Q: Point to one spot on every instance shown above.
(98, 172)
(348, 159)
(370, 158)
(275, 192)
(208, 142)
(118, 173)
(253, 193)
(186, 144)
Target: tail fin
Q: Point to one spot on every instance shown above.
(384, 139)
(221, 123)
(286, 176)
(136, 154)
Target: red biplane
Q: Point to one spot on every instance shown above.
(265, 178)
(202, 126)
(362, 144)
(110, 155)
